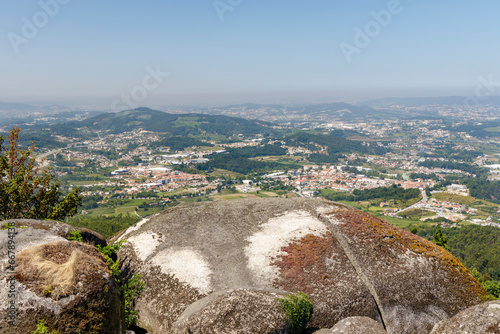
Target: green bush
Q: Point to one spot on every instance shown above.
(299, 309)
(42, 329)
(493, 289)
(130, 287)
(75, 235)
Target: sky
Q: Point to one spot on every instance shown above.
(224, 51)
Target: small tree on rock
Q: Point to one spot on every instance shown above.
(28, 190)
(440, 239)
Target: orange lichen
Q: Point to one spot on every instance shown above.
(302, 263)
(362, 226)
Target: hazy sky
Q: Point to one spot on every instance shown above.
(246, 50)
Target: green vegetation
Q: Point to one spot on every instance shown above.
(75, 236)
(43, 138)
(491, 287)
(130, 287)
(29, 191)
(180, 143)
(240, 164)
(299, 309)
(416, 213)
(451, 153)
(424, 176)
(41, 328)
(332, 142)
(453, 165)
(394, 192)
(257, 151)
(276, 185)
(484, 189)
(476, 246)
(106, 226)
(480, 130)
(440, 239)
(239, 160)
(172, 124)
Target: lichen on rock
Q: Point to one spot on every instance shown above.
(65, 283)
(348, 262)
(480, 319)
(244, 311)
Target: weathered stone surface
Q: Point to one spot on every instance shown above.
(56, 228)
(66, 283)
(348, 262)
(480, 319)
(357, 325)
(243, 311)
(322, 331)
(415, 281)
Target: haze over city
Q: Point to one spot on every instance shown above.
(221, 52)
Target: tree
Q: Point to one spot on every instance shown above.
(440, 239)
(28, 190)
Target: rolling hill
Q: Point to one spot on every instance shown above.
(173, 124)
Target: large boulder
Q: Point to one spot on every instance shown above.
(257, 310)
(67, 284)
(350, 263)
(357, 325)
(480, 319)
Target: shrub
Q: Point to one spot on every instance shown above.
(493, 289)
(131, 287)
(42, 329)
(29, 191)
(75, 235)
(298, 309)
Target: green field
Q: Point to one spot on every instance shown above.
(187, 121)
(472, 201)
(223, 172)
(126, 209)
(496, 129)
(417, 213)
(485, 208)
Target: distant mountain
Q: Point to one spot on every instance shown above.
(247, 110)
(173, 124)
(312, 112)
(9, 106)
(344, 111)
(23, 107)
(255, 106)
(428, 101)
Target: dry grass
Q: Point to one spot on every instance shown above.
(53, 269)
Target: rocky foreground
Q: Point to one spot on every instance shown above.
(219, 267)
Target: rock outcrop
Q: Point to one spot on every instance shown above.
(357, 325)
(349, 263)
(65, 283)
(226, 311)
(480, 319)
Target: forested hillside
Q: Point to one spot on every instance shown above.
(174, 124)
(476, 246)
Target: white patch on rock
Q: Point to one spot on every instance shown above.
(494, 306)
(323, 209)
(145, 244)
(187, 265)
(334, 221)
(413, 260)
(277, 233)
(134, 227)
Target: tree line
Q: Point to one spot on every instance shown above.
(394, 192)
